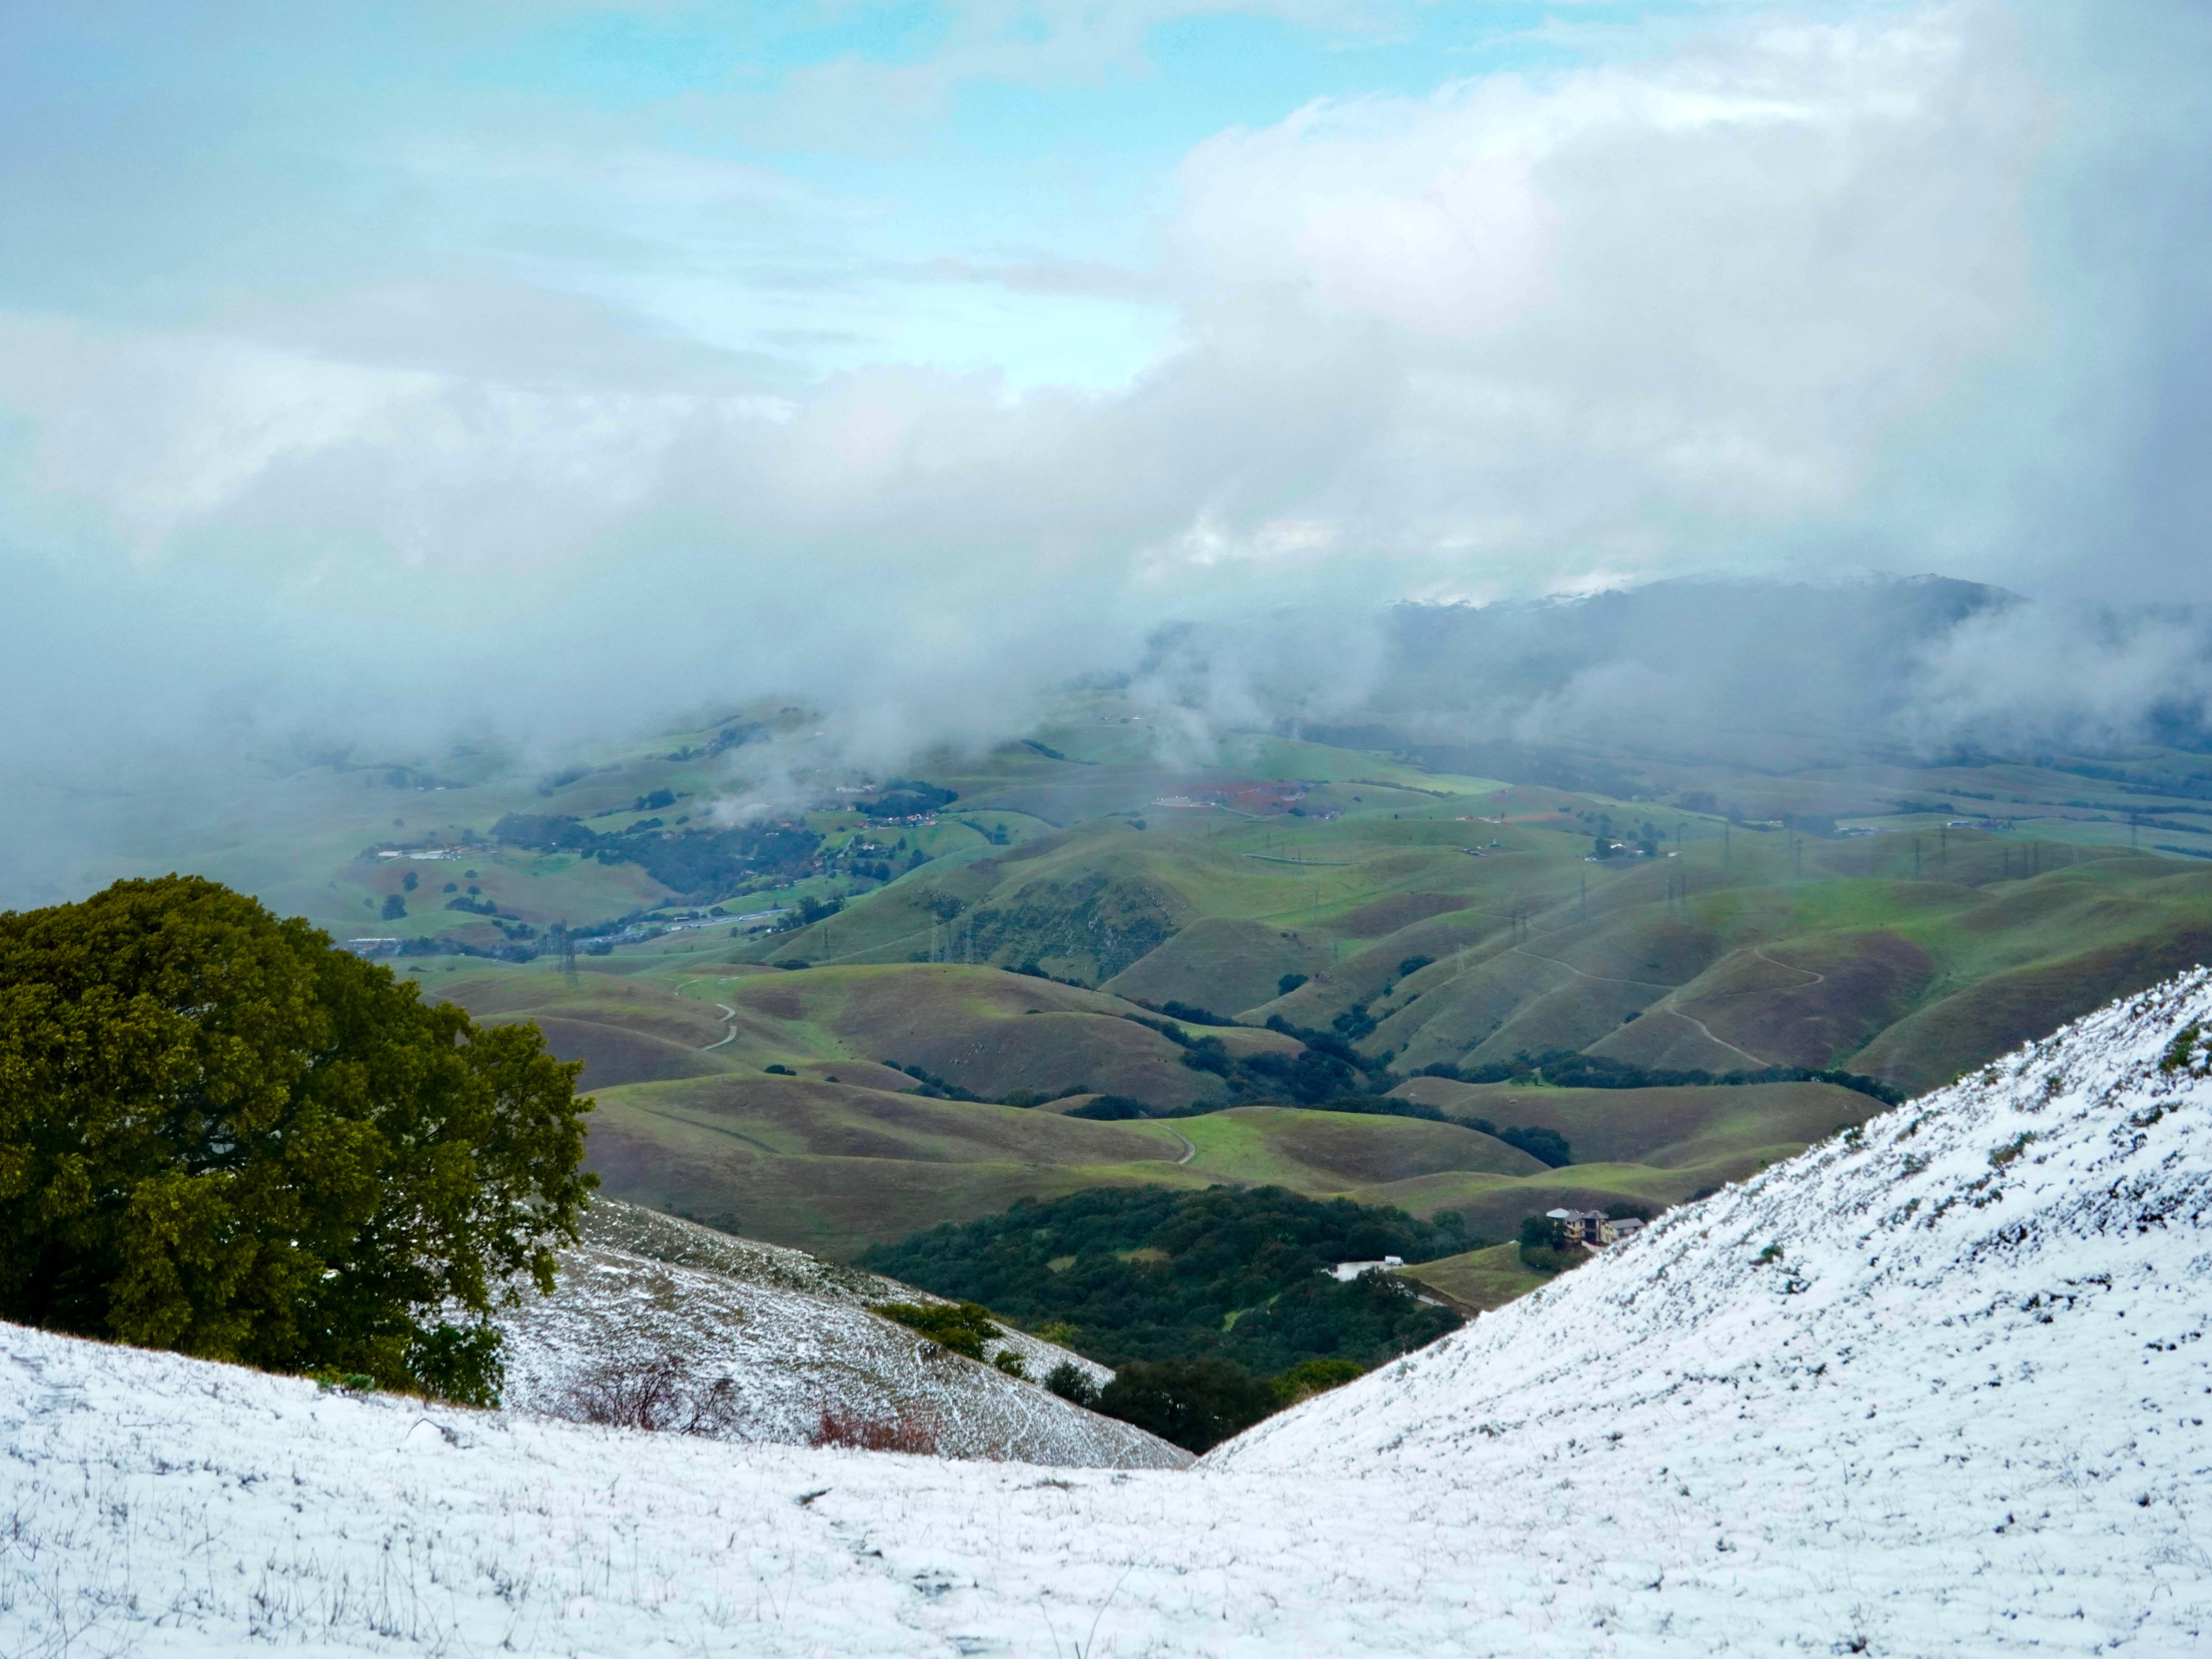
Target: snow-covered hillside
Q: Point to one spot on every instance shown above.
(792, 1335)
(1959, 1407)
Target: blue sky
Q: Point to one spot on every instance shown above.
(976, 188)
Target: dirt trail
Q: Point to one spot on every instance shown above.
(729, 1018)
(1707, 1032)
(1658, 1008)
(1652, 984)
(1816, 979)
(711, 1128)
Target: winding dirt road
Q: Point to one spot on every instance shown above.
(1815, 979)
(1658, 1008)
(729, 1017)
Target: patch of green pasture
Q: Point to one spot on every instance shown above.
(1479, 1280)
(727, 1174)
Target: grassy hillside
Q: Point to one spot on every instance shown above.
(784, 1028)
(830, 1155)
(1478, 1281)
(1458, 921)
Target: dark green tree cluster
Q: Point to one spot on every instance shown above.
(1157, 1274)
(1546, 1146)
(733, 731)
(221, 1135)
(1197, 1404)
(694, 861)
(1565, 1068)
(908, 798)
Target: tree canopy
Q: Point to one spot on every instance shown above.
(222, 1135)
(1163, 1274)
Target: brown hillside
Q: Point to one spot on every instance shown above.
(1221, 963)
(1372, 921)
(613, 1056)
(1934, 1045)
(1802, 1002)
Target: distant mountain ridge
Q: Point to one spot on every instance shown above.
(1695, 670)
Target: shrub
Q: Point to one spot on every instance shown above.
(964, 1327)
(658, 1395)
(2183, 1054)
(222, 1135)
(1311, 1377)
(1288, 983)
(1110, 1108)
(900, 1432)
(1071, 1383)
(1011, 1362)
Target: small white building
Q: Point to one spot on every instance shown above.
(1344, 1272)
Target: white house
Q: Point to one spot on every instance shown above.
(1345, 1272)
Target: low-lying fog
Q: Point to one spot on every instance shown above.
(1766, 303)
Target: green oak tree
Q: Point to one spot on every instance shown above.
(222, 1135)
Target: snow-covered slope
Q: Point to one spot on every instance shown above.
(792, 1335)
(611, 1225)
(1962, 1410)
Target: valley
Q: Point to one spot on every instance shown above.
(1055, 965)
(938, 1045)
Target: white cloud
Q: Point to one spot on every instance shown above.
(1789, 295)
(1698, 289)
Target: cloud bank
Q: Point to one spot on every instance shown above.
(1919, 287)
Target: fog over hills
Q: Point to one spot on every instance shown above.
(350, 402)
(1587, 690)
(1938, 1385)
(1765, 672)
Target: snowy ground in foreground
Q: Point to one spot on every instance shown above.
(1963, 1411)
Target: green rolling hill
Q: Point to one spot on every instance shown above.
(969, 970)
